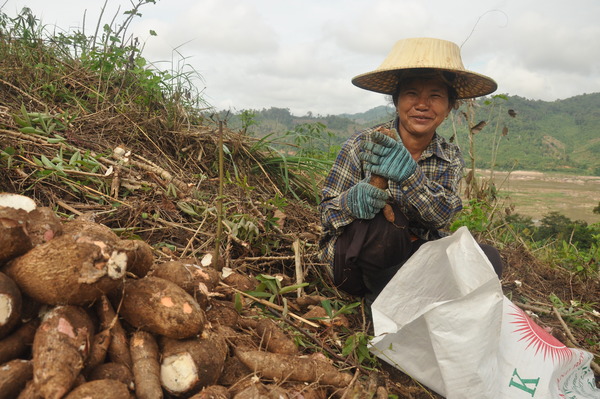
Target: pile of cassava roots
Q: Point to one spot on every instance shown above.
(86, 314)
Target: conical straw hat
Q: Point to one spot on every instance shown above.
(425, 53)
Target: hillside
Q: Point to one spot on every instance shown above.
(562, 135)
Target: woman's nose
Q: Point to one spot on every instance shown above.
(422, 102)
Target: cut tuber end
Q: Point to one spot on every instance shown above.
(17, 201)
(178, 373)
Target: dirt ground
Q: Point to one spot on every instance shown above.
(535, 194)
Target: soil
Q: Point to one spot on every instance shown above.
(536, 194)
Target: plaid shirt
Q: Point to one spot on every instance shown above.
(429, 198)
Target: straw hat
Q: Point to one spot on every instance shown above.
(425, 53)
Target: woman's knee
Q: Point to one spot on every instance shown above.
(494, 257)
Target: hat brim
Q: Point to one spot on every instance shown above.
(467, 84)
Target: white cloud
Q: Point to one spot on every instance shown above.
(373, 27)
(216, 27)
(302, 55)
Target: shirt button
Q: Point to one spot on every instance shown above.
(404, 188)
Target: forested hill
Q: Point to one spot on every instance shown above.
(562, 135)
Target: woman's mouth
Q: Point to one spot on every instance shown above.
(421, 118)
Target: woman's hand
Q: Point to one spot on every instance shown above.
(387, 157)
(364, 201)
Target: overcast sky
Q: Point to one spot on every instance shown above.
(302, 54)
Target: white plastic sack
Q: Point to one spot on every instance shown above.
(444, 320)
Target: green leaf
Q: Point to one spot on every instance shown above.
(259, 294)
(54, 140)
(29, 130)
(37, 161)
(326, 304)
(9, 151)
(292, 288)
(349, 345)
(46, 162)
(269, 282)
(347, 308)
(22, 122)
(74, 158)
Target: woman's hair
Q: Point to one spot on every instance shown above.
(409, 75)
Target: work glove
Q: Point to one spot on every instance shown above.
(364, 200)
(387, 157)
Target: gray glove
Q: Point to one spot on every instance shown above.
(387, 157)
(364, 201)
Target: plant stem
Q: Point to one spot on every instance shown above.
(217, 262)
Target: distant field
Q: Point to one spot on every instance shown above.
(535, 194)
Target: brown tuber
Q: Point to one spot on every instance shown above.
(60, 349)
(161, 307)
(194, 278)
(192, 364)
(69, 270)
(13, 377)
(14, 240)
(113, 371)
(223, 313)
(43, 225)
(274, 338)
(118, 346)
(293, 368)
(213, 392)
(19, 342)
(100, 389)
(83, 227)
(146, 366)
(140, 257)
(239, 281)
(23, 225)
(98, 351)
(29, 391)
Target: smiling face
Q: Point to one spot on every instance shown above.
(422, 105)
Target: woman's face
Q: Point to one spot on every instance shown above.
(422, 106)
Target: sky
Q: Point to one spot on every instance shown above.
(302, 54)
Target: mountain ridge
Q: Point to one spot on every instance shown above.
(560, 135)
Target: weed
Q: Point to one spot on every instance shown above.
(576, 314)
(294, 159)
(475, 216)
(248, 119)
(336, 308)
(357, 346)
(270, 288)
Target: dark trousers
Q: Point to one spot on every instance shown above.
(369, 252)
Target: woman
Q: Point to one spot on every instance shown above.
(425, 78)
